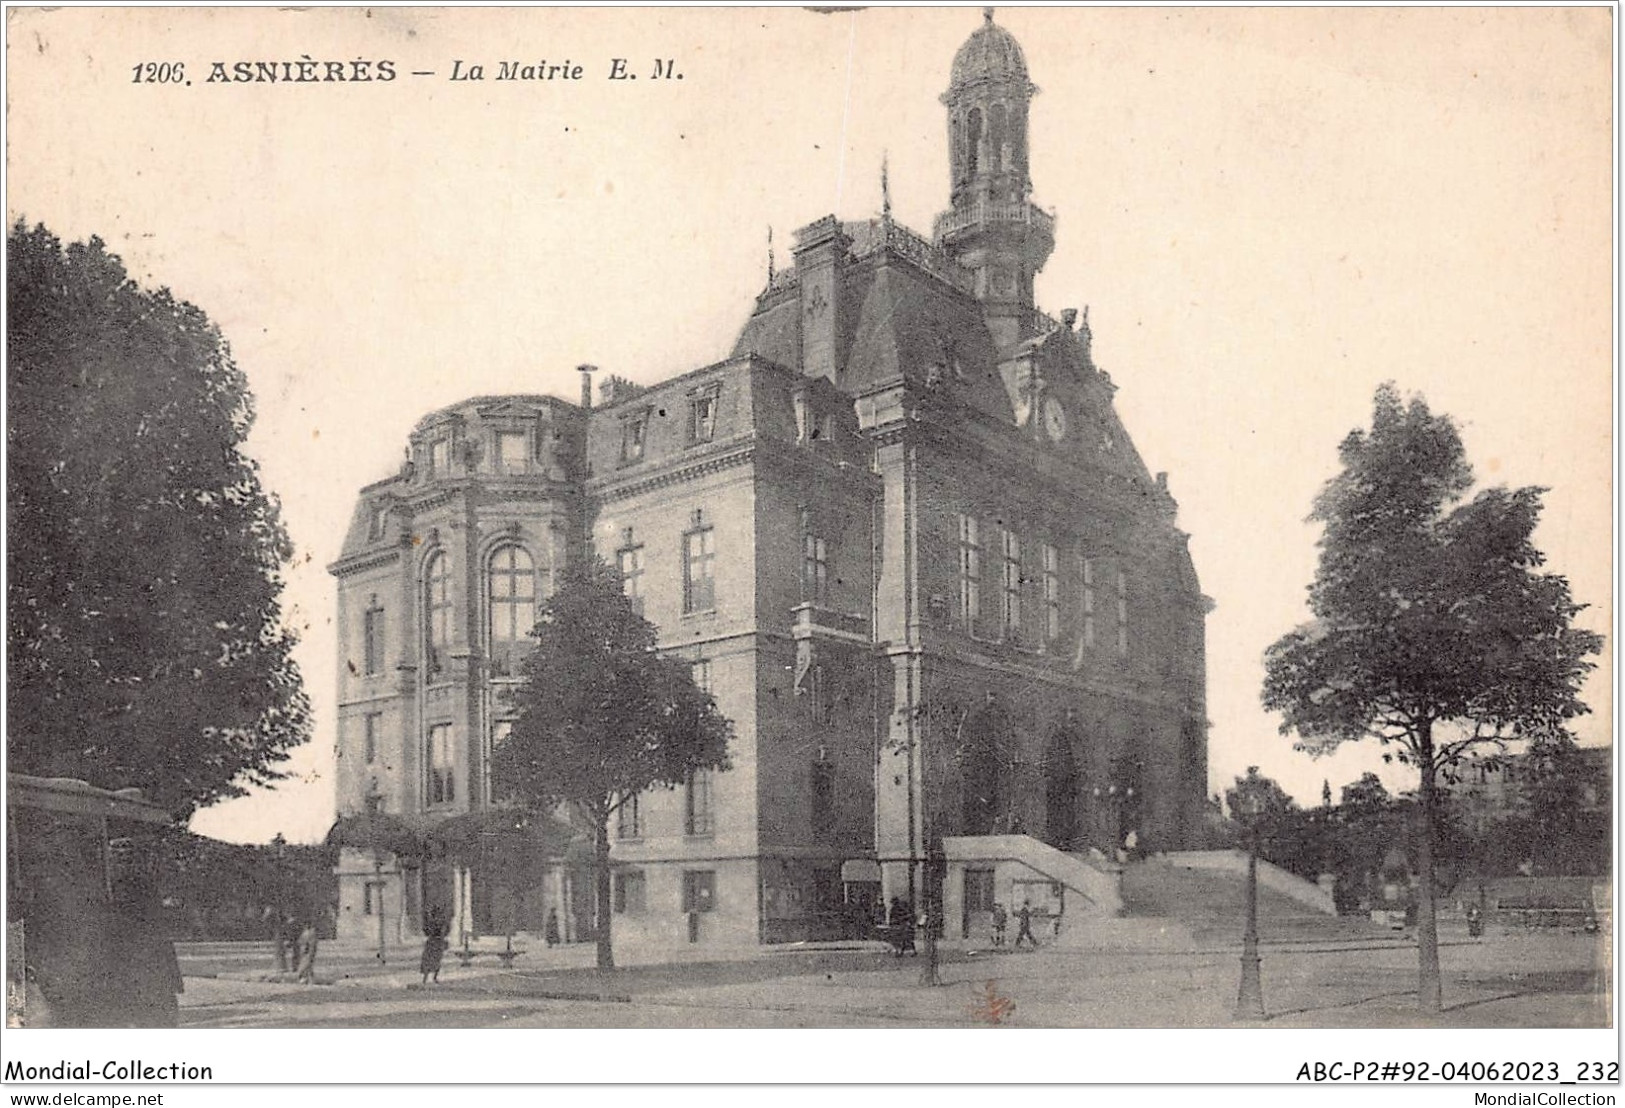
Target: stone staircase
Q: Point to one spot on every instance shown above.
(1204, 894)
(1095, 884)
(1181, 901)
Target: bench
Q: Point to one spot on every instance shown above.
(466, 955)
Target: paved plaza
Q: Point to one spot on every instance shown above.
(1534, 979)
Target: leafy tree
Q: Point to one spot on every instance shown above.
(144, 636)
(1434, 630)
(1366, 798)
(603, 716)
(1260, 805)
(1368, 822)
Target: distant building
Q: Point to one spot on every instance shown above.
(1487, 790)
(899, 532)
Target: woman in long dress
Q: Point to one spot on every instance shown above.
(434, 948)
(307, 953)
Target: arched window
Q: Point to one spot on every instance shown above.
(511, 582)
(961, 173)
(436, 610)
(1063, 793)
(973, 141)
(998, 138)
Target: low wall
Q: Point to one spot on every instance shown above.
(1061, 891)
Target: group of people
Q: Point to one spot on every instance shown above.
(437, 928)
(296, 942)
(1024, 919)
(900, 925)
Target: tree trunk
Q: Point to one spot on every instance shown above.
(1428, 996)
(600, 880)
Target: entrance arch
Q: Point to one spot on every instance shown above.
(1063, 793)
(981, 770)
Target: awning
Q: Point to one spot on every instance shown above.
(855, 870)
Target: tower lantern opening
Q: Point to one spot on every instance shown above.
(992, 228)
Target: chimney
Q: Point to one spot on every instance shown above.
(1069, 318)
(820, 253)
(586, 384)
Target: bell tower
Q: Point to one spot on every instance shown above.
(992, 227)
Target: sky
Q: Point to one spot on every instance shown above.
(1268, 212)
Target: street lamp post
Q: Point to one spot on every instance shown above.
(1250, 1000)
(936, 866)
(279, 848)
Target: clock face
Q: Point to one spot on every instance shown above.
(1054, 419)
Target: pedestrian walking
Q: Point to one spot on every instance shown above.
(551, 932)
(288, 945)
(279, 940)
(1024, 917)
(307, 953)
(1001, 918)
(901, 926)
(435, 930)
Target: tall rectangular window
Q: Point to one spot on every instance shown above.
(699, 890)
(823, 799)
(437, 610)
(442, 780)
(634, 432)
(366, 898)
(372, 638)
(699, 569)
(1052, 593)
(370, 725)
(500, 730)
(970, 572)
(697, 818)
(631, 892)
(1122, 612)
(1012, 584)
(630, 561)
(1088, 602)
(629, 819)
(440, 458)
(701, 671)
(814, 569)
(703, 418)
(513, 451)
(979, 890)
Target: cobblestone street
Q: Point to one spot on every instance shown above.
(1513, 980)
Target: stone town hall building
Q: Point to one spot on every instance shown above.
(901, 535)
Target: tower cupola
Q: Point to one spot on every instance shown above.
(992, 228)
(987, 98)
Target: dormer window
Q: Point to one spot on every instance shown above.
(634, 435)
(702, 425)
(513, 451)
(440, 458)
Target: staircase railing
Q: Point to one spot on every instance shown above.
(1098, 885)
